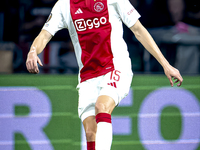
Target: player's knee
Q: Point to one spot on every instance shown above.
(90, 135)
(101, 108)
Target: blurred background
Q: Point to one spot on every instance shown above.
(39, 112)
(174, 24)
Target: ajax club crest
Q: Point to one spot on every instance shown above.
(98, 7)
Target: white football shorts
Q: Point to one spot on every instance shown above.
(115, 84)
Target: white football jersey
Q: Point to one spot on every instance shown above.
(96, 31)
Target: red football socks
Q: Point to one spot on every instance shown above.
(103, 117)
(91, 145)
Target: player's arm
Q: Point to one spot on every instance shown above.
(147, 41)
(37, 47)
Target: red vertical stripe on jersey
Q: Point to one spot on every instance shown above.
(94, 33)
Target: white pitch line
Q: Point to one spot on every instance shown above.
(28, 116)
(182, 141)
(197, 114)
(30, 142)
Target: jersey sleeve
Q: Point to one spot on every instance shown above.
(127, 12)
(55, 22)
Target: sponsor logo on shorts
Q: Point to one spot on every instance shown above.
(113, 84)
(82, 24)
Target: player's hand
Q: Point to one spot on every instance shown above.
(173, 74)
(31, 62)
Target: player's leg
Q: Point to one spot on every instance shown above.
(104, 106)
(90, 127)
(88, 94)
(114, 88)
(103, 109)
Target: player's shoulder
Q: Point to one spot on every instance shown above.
(116, 1)
(61, 2)
(112, 1)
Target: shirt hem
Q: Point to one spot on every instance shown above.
(96, 75)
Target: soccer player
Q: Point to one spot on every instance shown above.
(105, 74)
